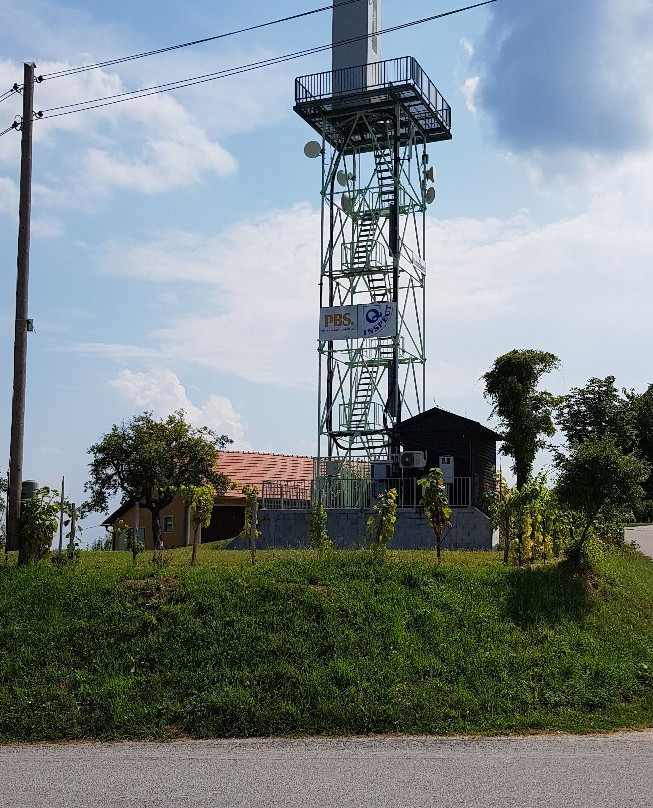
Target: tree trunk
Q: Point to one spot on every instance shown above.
(252, 535)
(196, 537)
(522, 477)
(187, 524)
(506, 540)
(156, 529)
(437, 543)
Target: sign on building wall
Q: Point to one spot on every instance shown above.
(365, 321)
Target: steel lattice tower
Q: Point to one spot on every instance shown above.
(375, 122)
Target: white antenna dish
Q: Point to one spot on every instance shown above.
(430, 195)
(312, 149)
(341, 176)
(430, 174)
(347, 204)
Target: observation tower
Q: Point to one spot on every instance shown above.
(375, 120)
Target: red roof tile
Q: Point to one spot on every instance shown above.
(252, 468)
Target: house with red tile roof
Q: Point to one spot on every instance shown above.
(295, 472)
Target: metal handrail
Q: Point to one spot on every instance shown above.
(354, 492)
(389, 74)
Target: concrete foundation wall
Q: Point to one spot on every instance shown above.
(471, 530)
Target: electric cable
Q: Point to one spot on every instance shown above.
(168, 48)
(81, 106)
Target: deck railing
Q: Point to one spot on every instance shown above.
(384, 75)
(352, 492)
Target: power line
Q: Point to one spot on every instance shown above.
(167, 49)
(81, 106)
(8, 93)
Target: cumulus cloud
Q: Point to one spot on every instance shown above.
(116, 351)
(561, 76)
(578, 285)
(162, 392)
(8, 197)
(152, 145)
(257, 318)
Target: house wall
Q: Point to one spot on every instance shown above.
(474, 451)
(471, 530)
(227, 520)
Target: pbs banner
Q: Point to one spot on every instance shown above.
(364, 321)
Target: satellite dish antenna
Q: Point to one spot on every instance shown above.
(430, 195)
(342, 176)
(430, 174)
(347, 204)
(312, 149)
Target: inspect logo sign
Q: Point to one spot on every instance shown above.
(365, 321)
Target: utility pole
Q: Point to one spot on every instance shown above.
(22, 322)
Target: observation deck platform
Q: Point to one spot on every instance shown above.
(355, 106)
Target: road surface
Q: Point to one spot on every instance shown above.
(643, 536)
(613, 771)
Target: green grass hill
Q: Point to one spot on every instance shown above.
(336, 645)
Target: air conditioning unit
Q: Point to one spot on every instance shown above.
(412, 460)
(381, 470)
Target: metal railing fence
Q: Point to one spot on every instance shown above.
(390, 73)
(351, 492)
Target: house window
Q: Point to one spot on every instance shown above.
(167, 524)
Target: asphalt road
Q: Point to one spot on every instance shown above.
(643, 536)
(613, 771)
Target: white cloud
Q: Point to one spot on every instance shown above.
(261, 279)
(9, 197)
(468, 47)
(470, 92)
(579, 285)
(161, 392)
(151, 145)
(116, 351)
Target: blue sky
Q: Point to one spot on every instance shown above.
(175, 239)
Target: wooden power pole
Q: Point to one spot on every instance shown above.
(22, 322)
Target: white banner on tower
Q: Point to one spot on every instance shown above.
(364, 321)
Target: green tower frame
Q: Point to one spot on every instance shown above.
(376, 187)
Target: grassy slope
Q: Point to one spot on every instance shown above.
(340, 645)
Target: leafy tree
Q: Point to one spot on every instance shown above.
(127, 533)
(531, 522)
(597, 481)
(317, 528)
(642, 419)
(201, 499)
(597, 411)
(498, 502)
(381, 524)
(436, 505)
(102, 544)
(39, 520)
(524, 412)
(250, 529)
(148, 461)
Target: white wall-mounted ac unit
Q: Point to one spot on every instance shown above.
(412, 460)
